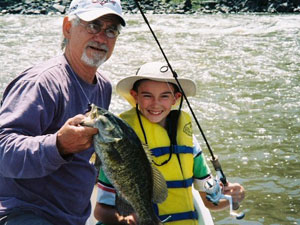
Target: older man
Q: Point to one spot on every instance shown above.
(45, 174)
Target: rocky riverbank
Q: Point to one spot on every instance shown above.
(51, 7)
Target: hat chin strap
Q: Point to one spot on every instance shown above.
(180, 104)
(140, 122)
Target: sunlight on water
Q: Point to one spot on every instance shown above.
(247, 72)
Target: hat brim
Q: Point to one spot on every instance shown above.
(96, 13)
(124, 86)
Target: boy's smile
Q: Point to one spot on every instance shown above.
(155, 100)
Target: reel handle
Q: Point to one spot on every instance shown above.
(236, 215)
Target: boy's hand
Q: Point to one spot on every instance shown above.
(236, 190)
(130, 220)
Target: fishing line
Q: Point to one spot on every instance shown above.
(214, 159)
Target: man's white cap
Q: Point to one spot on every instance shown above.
(89, 10)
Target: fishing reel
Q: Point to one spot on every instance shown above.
(214, 194)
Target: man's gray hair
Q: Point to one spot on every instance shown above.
(75, 21)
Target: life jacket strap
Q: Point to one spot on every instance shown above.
(166, 150)
(180, 183)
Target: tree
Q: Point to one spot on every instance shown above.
(188, 4)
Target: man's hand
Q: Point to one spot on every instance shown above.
(73, 138)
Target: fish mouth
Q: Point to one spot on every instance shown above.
(88, 122)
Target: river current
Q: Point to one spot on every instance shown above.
(247, 70)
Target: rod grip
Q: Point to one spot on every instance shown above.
(217, 167)
(216, 163)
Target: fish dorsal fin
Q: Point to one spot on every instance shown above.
(160, 190)
(147, 151)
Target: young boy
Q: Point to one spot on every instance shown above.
(153, 93)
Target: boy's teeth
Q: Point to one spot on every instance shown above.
(154, 112)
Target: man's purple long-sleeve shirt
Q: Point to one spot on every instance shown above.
(33, 175)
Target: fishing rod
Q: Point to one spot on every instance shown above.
(211, 188)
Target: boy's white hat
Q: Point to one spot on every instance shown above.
(156, 71)
(89, 10)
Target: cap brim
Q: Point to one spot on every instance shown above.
(125, 85)
(96, 13)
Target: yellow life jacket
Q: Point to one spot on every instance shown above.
(178, 171)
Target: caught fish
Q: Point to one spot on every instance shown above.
(128, 166)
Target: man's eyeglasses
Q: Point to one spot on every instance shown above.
(96, 27)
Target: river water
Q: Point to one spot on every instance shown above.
(247, 70)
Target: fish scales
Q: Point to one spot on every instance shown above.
(125, 163)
